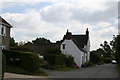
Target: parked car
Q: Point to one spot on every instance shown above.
(114, 62)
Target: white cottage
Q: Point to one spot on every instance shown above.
(78, 46)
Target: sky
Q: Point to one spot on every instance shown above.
(51, 19)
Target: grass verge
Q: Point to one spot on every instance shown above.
(18, 70)
(66, 68)
(118, 68)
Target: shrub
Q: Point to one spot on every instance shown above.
(54, 59)
(86, 64)
(107, 60)
(27, 60)
(53, 50)
(30, 61)
(21, 48)
(69, 60)
(3, 64)
(96, 57)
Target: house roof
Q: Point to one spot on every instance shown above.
(80, 41)
(4, 22)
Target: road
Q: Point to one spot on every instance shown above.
(99, 71)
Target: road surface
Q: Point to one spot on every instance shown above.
(99, 71)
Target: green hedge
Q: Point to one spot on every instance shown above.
(69, 60)
(59, 59)
(54, 59)
(3, 64)
(27, 60)
(107, 60)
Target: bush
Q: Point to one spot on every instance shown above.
(26, 60)
(96, 57)
(30, 61)
(54, 59)
(21, 48)
(87, 64)
(59, 59)
(69, 60)
(3, 64)
(53, 50)
(107, 60)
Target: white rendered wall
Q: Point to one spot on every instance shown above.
(72, 49)
(87, 48)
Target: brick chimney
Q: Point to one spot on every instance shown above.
(68, 35)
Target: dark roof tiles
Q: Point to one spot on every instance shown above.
(80, 41)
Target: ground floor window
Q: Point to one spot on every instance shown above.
(63, 46)
(2, 46)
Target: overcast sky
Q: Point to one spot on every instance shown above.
(51, 19)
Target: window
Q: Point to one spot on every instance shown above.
(63, 46)
(2, 46)
(2, 30)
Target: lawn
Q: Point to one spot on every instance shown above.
(118, 67)
(18, 70)
(66, 68)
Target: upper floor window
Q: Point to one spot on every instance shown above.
(2, 30)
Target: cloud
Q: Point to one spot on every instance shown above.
(52, 22)
(91, 13)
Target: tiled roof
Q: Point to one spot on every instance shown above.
(80, 41)
(4, 22)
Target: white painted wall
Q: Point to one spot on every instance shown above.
(72, 49)
(87, 48)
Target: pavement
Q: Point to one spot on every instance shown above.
(12, 75)
(99, 71)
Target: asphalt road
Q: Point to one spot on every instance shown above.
(100, 71)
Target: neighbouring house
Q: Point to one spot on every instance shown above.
(4, 33)
(78, 46)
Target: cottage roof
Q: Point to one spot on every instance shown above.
(80, 41)
(4, 22)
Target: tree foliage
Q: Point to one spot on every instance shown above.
(107, 50)
(96, 56)
(115, 43)
(12, 42)
(41, 40)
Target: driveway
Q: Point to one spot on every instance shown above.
(99, 71)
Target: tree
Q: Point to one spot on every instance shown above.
(96, 56)
(107, 50)
(41, 40)
(12, 42)
(115, 43)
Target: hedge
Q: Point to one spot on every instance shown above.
(3, 64)
(27, 60)
(107, 60)
(54, 59)
(59, 59)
